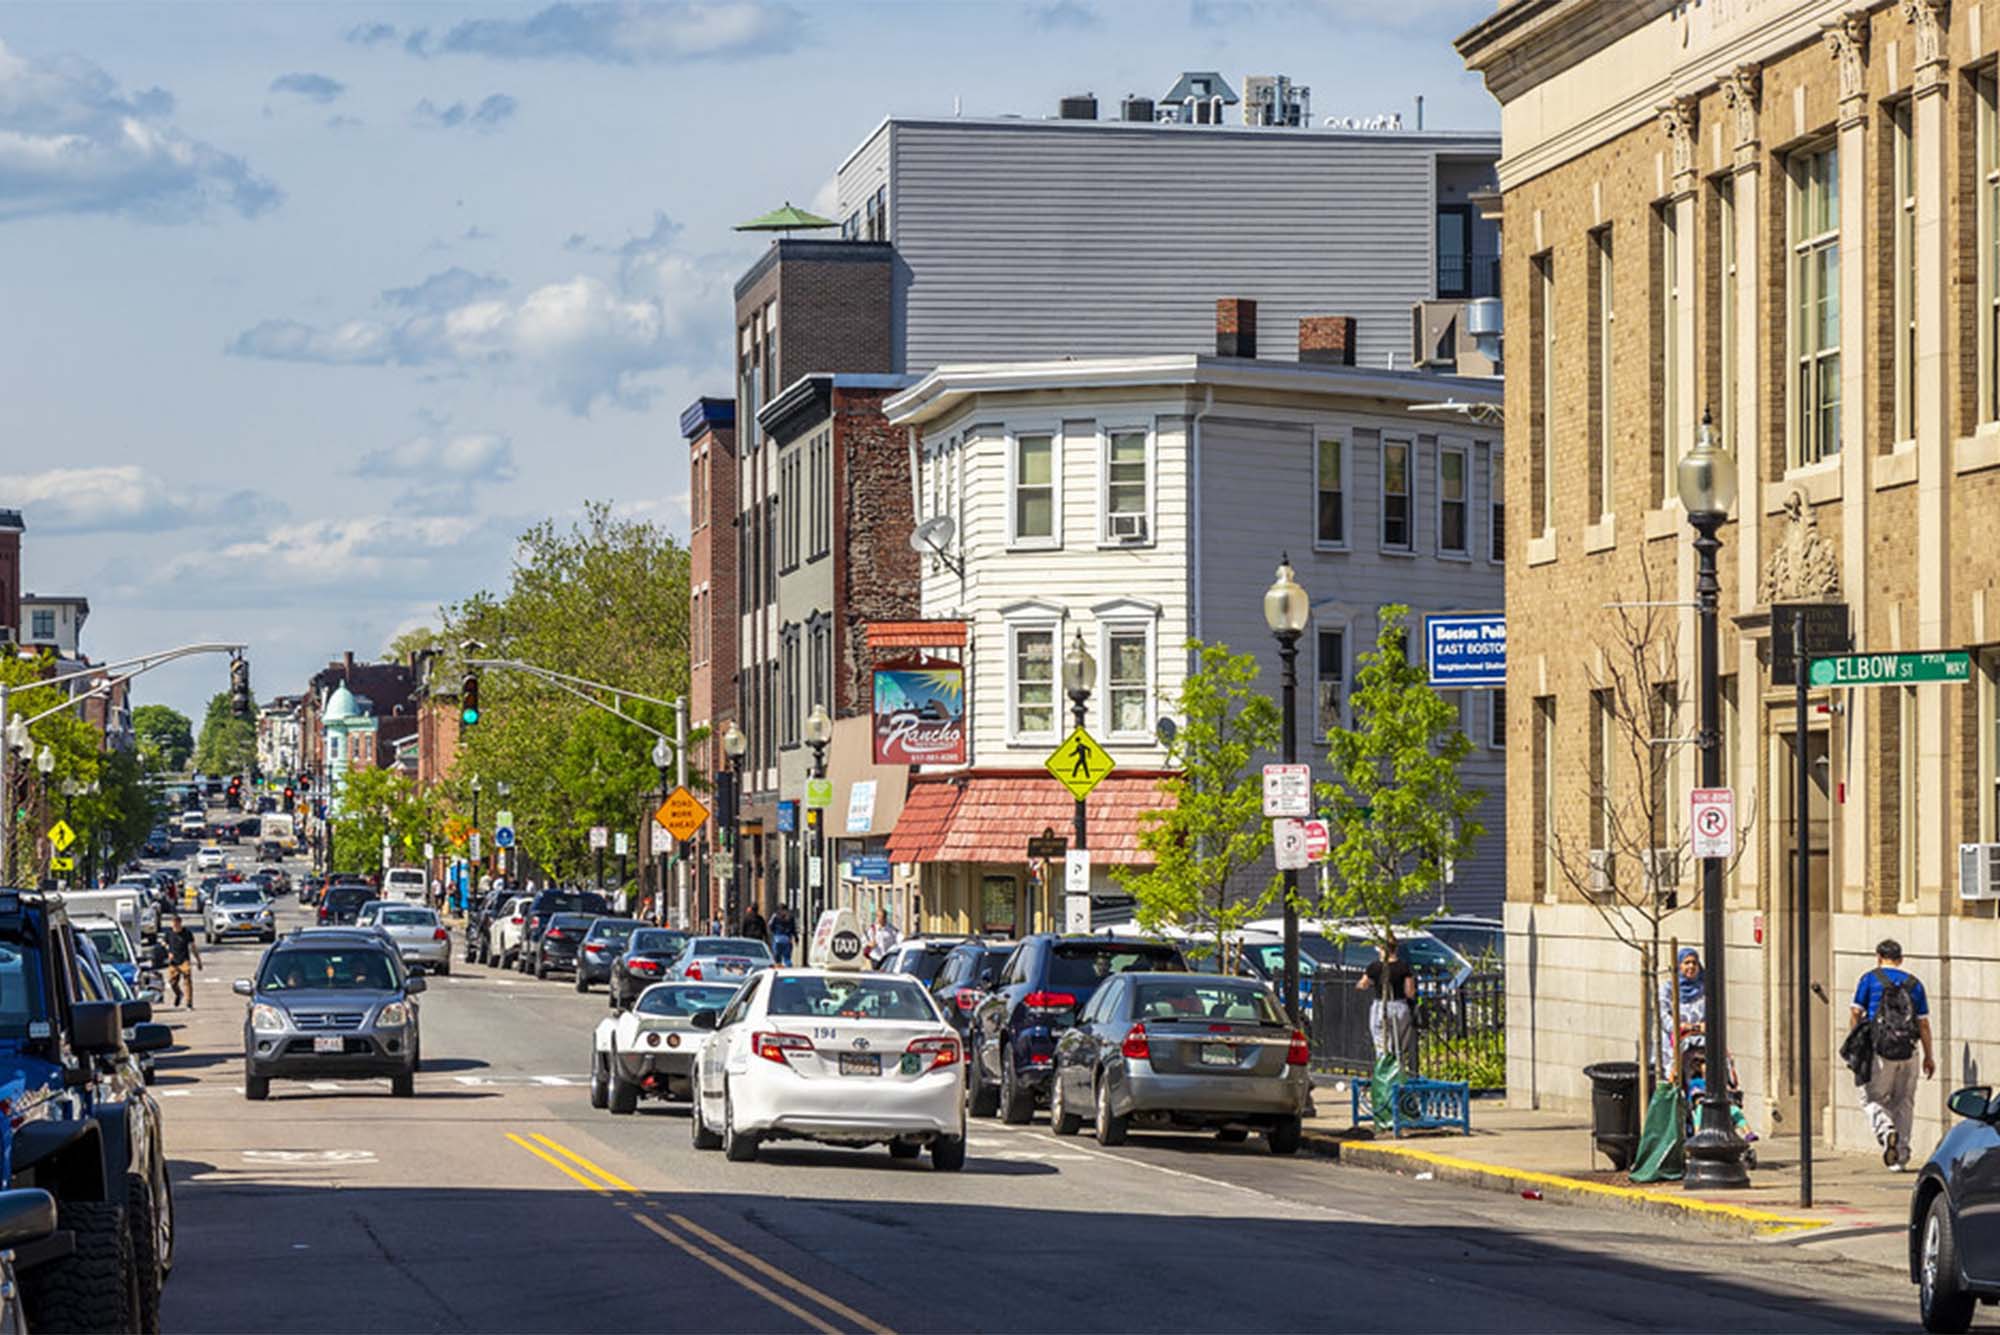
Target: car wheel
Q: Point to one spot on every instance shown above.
(94, 1287)
(737, 1146)
(703, 1138)
(1017, 1105)
(600, 1088)
(1061, 1120)
(541, 968)
(1232, 1135)
(403, 1084)
(624, 1094)
(948, 1154)
(144, 1226)
(1110, 1126)
(904, 1149)
(1941, 1297)
(1284, 1136)
(581, 986)
(981, 1099)
(444, 968)
(165, 1192)
(256, 1088)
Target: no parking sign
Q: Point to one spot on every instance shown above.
(1712, 818)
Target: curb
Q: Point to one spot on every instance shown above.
(1743, 1221)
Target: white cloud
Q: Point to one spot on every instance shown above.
(473, 456)
(488, 115)
(312, 87)
(124, 498)
(72, 142)
(625, 32)
(386, 550)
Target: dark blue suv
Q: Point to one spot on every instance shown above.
(1011, 1040)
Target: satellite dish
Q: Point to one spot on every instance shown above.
(933, 535)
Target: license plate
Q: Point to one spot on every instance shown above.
(1218, 1054)
(861, 1063)
(329, 1045)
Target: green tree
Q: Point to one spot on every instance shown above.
(1212, 832)
(116, 817)
(33, 800)
(1401, 814)
(166, 736)
(228, 744)
(413, 816)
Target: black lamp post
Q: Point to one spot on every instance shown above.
(1286, 611)
(1706, 479)
(662, 756)
(1079, 675)
(472, 860)
(819, 731)
(734, 744)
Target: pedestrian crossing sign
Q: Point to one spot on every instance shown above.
(60, 863)
(1080, 764)
(61, 836)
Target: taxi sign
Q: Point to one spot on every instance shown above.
(837, 942)
(1080, 764)
(61, 836)
(681, 814)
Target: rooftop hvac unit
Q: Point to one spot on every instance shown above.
(1434, 333)
(1483, 324)
(1979, 871)
(1137, 109)
(1079, 107)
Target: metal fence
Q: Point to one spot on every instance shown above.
(1461, 1032)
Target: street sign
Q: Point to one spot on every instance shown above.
(473, 850)
(502, 837)
(1288, 790)
(504, 818)
(429, 852)
(815, 870)
(869, 866)
(788, 816)
(1712, 818)
(681, 814)
(1466, 649)
(61, 836)
(600, 836)
(1952, 667)
(1297, 844)
(1319, 840)
(61, 863)
(1047, 844)
(1825, 632)
(1076, 890)
(621, 843)
(819, 794)
(1080, 764)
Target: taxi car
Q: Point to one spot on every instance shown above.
(649, 1050)
(841, 1057)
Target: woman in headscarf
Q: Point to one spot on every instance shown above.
(1682, 1003)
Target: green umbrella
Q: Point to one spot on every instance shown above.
(786, 219)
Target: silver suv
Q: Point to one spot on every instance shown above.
(331, 1004)
(239, 910)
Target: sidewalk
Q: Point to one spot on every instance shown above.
(1857, 1203)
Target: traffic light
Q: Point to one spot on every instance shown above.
(291, 795)
(468, 700)
(306, 782)
(239, 687)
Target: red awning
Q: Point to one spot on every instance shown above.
(915, 635)
(989, 816)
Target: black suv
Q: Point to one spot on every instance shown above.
(341, 904)
(1011, 1041)
(561, 942)
(479, 919)
(545, 906)
(967, 974)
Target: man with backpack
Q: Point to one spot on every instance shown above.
(1892, 1004)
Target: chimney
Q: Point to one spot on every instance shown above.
(1327, 340)
(1235, 327)
(11, 528)
(348, 659)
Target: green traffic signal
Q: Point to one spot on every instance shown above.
(468, 700)
(468, 716)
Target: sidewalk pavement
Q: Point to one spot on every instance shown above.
(1859, 1207)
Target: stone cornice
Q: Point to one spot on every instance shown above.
(1929, 21)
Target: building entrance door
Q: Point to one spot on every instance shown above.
(1783, 842)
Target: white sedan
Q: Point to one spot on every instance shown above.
(649, 1050)
(843, 1058)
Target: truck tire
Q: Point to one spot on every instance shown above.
(93, 1288)
(144, 1228)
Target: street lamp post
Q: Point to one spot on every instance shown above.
(472, 863)
(734, 744)
(819, 731)
(509, 865)
(662, 756)
(1286, 611)
(1706, 480)
(1079, 675)
(45, 765)
(70, 789)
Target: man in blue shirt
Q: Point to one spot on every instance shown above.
(1893, 1003)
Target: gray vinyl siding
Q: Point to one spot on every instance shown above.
(1048, 238)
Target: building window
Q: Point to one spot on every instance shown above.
(1454, 503)
(1543, 786)
(1987, 135)
(1396, 508)
(1330, 674)
(1330, 467)
(1667, 366)
(822, 466)
(1125, 507)
(1602, 308)
(45, 623)
(789, 508)
(771, 549)
(1496, 718)
(1034, 682)
(789, 724)
(1128, 681)
(1725, 306)
(1034, 488)
(1603, 764)
(1454, 251)
(819, 664)
(1496, 505)
(1814, 203)
(1542, 389)
(1903, 266)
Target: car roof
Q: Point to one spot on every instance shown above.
(354, 935)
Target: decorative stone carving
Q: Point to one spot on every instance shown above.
(1742, 89)
(1803, 567)
(1847, 39)
(1929, 22)
(1677, 118)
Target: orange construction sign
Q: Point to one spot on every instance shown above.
(681, 814)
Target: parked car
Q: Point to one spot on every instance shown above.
(405, 883)
(1482, 941)
(1183, 1051)
(503, 931)
(330, 1005)
(649, 1051)
(1012, 1037)
(967, 974)
(921, 956)
(342, 902)
(559, 944)
(648, 958)
(420, 937)
(728, 959)
(1348, 947)
(603, 943)
(1954, 1249)
(478, 923)
(545, 905)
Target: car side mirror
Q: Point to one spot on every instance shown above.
(135, 1012)
(150, 1037)
(413, 985)
(95, 1029)
(704, 1019)
(242, 987)
(26, 1215)
(1972, 1102)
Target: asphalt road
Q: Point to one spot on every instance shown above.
(498, 1200)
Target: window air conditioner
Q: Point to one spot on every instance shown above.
(1128, 528)
(1601, 868)
(1663, 872)
(1979, 871)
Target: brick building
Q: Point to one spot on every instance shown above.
(1774, 212)
(709, 427)
(11, 528)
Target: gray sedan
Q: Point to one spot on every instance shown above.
(724, 959)
(418, 935)
(1180, 1051)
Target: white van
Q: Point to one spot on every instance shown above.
(405, 883)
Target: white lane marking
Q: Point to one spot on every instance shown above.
(323, 1084)
(309, 1156)
(171, 1093)
(554, 1080)
(472, 1080)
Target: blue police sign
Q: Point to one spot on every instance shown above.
(1466, 649)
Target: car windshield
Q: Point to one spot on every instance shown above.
(654, 941)
(239, 897)
(851, 998)
(1471, 941)
(709, 946)
(923, 963)
(1088, 963)
(684, 1000)
(1204, 999)
(1271, 958)
(614, 930)
(349, 894)
(111, 945)
(569, 921)
(363, 969)
(399, 917)
(20, 990)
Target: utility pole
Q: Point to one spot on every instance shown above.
(680, 779)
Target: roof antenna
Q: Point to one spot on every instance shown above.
(956, 112)
(1420, 113)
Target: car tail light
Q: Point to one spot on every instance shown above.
(593, 948)
(556, 934)
(1300, 1053)
(648, 966)
(324, 913)
(1049, 1001)
(967, 1000)
(694, 970)
(516, 920)
(652, 1040)
(942, 1051)
(778, 1047)
(1137, 1047)
(440, 935)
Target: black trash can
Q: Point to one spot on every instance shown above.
(1614, 1110)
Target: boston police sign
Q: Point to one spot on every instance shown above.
(1466, 649)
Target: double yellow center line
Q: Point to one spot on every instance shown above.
(710, 1249)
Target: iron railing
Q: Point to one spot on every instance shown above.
(1461, 1031)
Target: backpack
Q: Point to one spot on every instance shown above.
(1895, 1022)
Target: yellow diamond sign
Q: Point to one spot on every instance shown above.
(61, 836)
(62, 864)
(1080, 764)
(681, 814)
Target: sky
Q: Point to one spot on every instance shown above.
(310, 310)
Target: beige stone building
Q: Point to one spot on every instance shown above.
(1786, 212)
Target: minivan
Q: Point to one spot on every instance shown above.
(404, 883)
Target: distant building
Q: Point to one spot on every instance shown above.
(709, 427)
(53, 622)
(11, 528)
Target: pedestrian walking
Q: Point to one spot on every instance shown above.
(181, 950)
(784, 930)
(883, 939)
(1392, 1016)
(753, 925)
(1891, 1002)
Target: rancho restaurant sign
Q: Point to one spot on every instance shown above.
(920, 713)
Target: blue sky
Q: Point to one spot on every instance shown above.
(310, 309)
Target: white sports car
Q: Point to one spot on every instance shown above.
(844, 1058)
(649, 1051)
